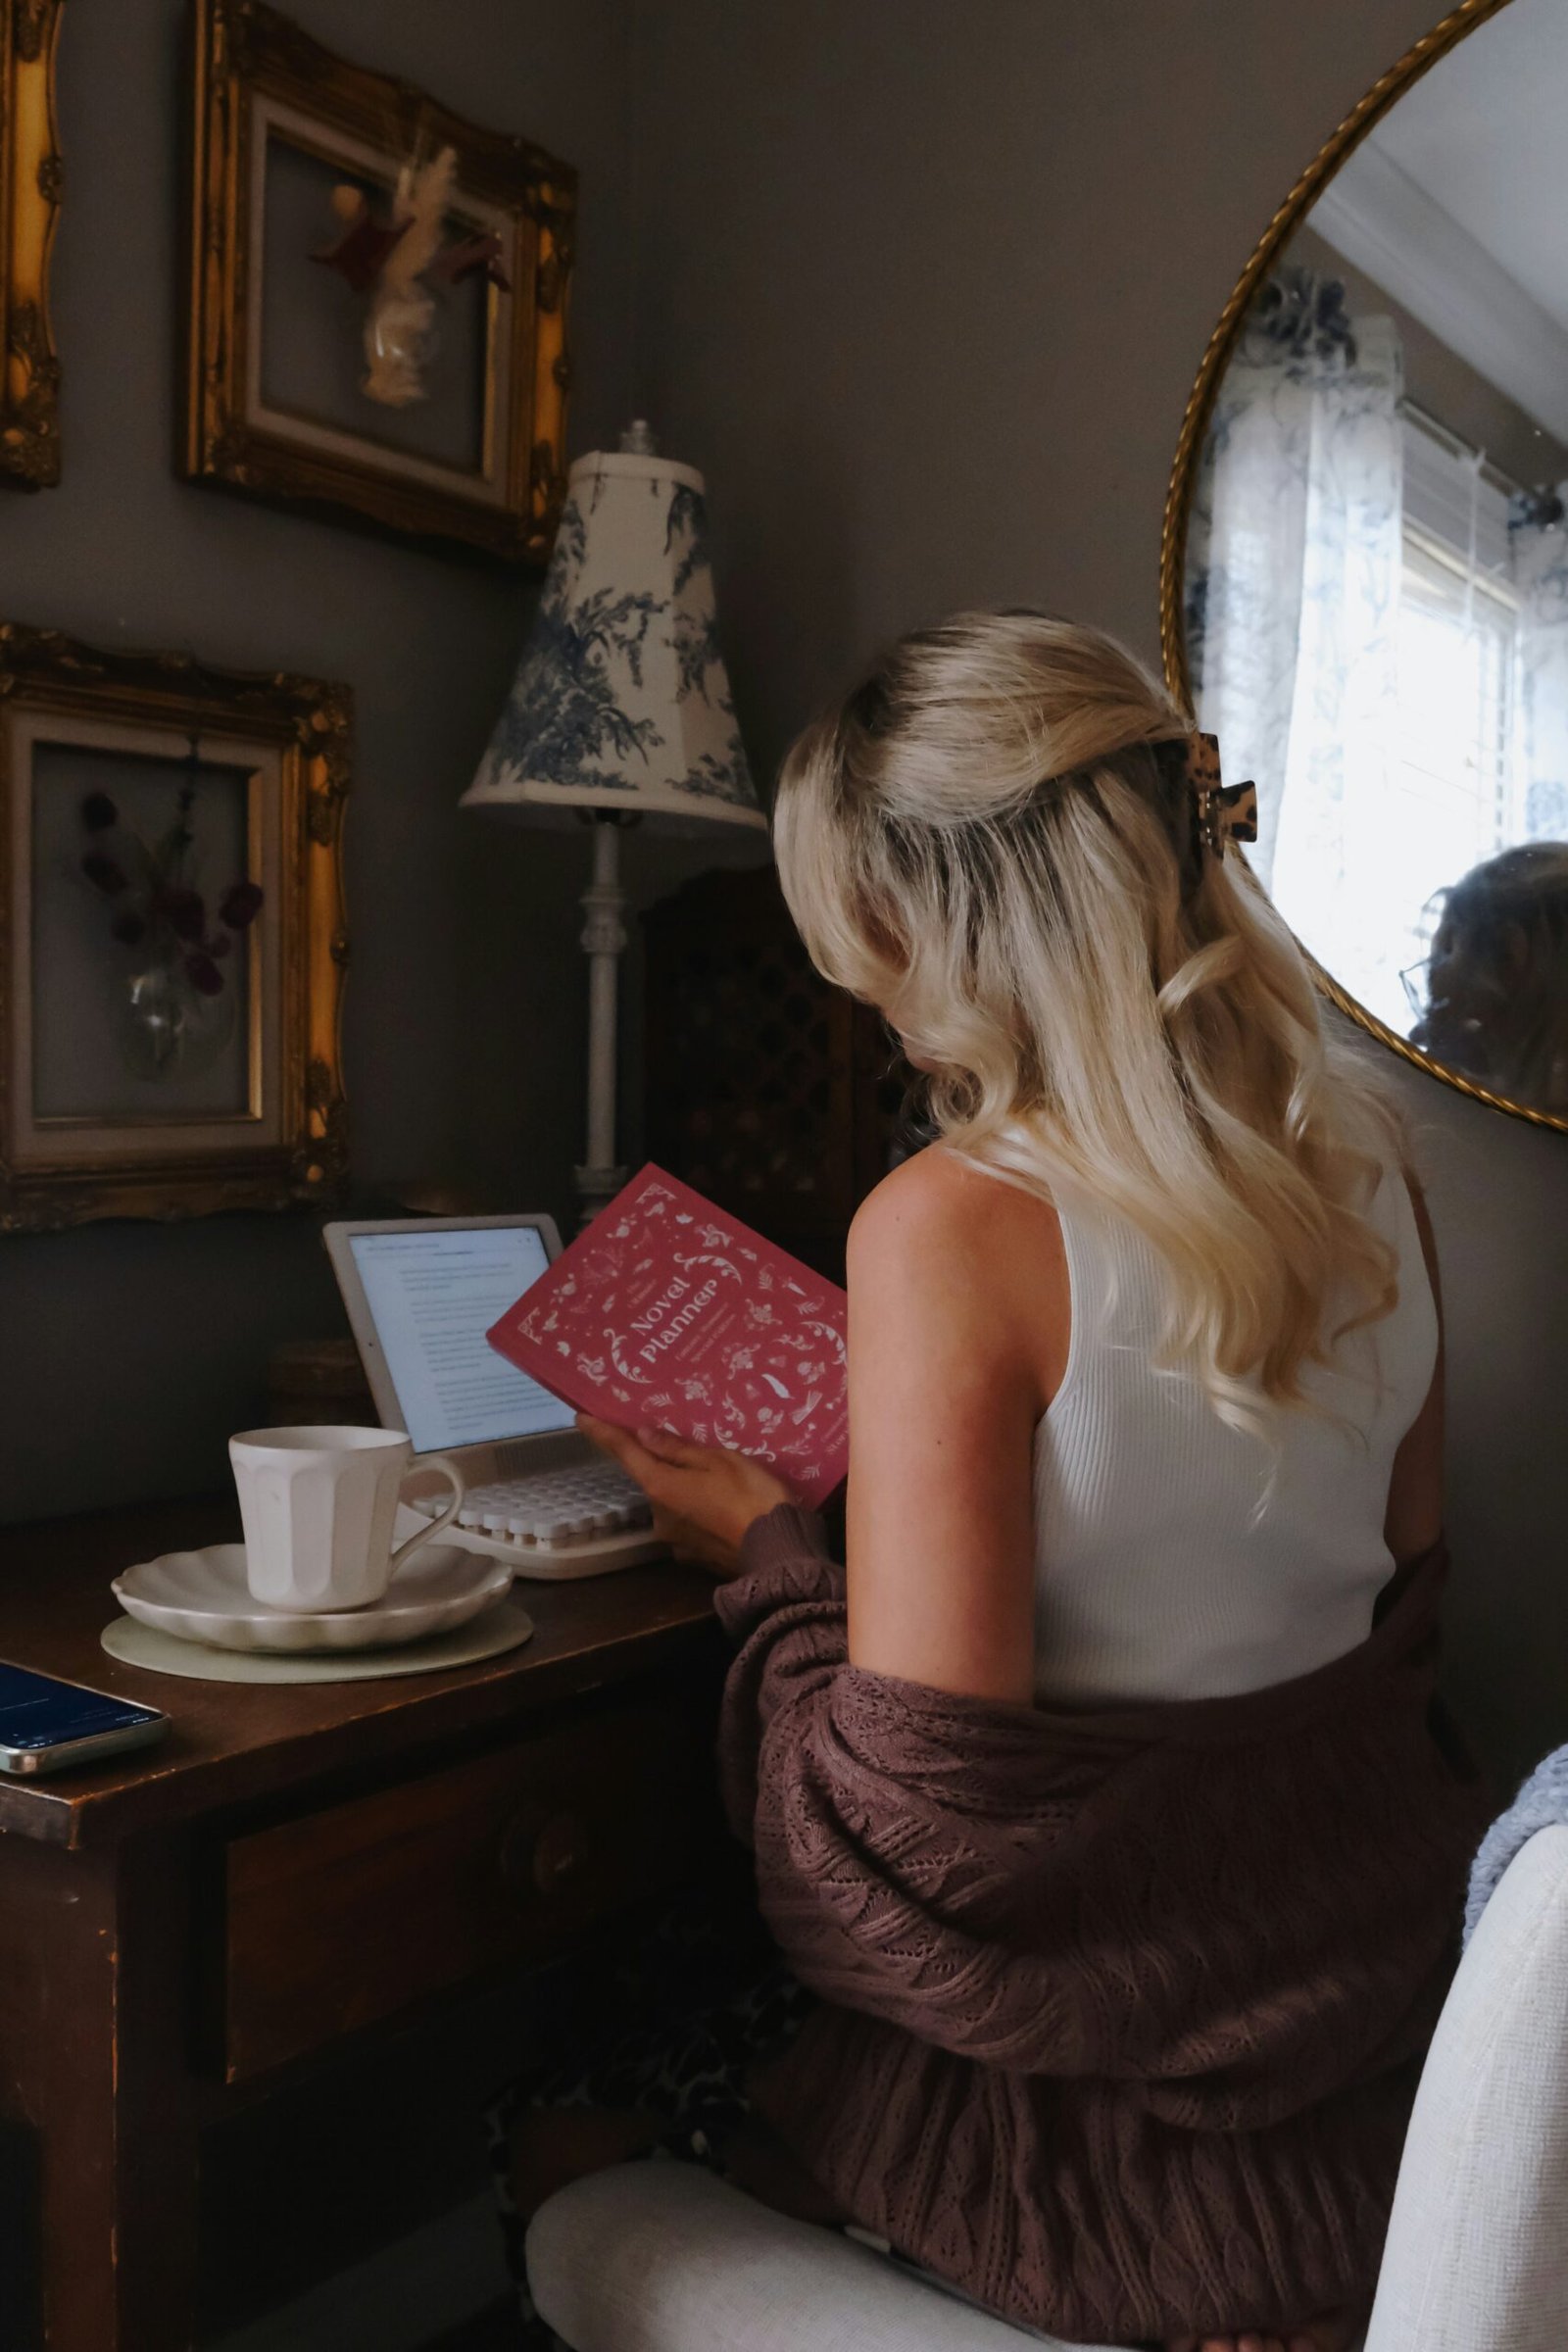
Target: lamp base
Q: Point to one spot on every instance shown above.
(603, 936)
(596, 1187)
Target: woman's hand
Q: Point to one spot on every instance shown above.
(704, 1497)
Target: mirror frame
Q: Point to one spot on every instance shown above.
(1384, 93)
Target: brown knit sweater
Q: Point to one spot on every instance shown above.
(1123, 2007)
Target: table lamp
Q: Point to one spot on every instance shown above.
(620, 713)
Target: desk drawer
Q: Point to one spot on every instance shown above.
(354, 1913)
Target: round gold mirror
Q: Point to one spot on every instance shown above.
(1364, 574)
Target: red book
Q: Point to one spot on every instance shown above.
(670, 1313)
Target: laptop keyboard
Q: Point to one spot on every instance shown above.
(554, 1507)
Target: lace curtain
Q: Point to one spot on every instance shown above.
(1293, 586)
(1539, 560)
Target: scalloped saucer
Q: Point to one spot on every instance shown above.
(203, 1597)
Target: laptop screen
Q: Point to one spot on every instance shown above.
(432, 1298)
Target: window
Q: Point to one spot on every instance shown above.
(1454, 797)
(1456, 638)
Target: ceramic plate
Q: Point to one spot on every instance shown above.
(203, 1597)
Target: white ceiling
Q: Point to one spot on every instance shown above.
(1457, 204)
(1485, 134)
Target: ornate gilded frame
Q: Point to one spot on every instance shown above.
(30, 183)
(303, 728)
(247, 56)
(1416, 60)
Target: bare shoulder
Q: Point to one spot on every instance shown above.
(937, 1219)
(964, 1273)
(936, 1193)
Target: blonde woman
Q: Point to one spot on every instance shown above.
(1146, 1422)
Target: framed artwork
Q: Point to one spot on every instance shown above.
(377, 295)
(30, 205)
(171, 935)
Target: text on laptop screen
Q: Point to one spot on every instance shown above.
(432, 1298)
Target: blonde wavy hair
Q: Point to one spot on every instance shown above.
(981, 841)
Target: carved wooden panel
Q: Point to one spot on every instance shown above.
(769, 1091)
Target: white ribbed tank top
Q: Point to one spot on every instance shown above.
(1177, 1558)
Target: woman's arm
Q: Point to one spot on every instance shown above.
(959, 1324)
(958, 1334)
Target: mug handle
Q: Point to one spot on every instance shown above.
(424, 1534)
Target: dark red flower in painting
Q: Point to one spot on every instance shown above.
(104, 872)
(156, 909)
(184, 912)
(240, 904)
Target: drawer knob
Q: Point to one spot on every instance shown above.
(542, 1859)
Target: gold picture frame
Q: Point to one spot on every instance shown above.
(30, 184)
(273, 399)
(1419, 59)
(103, 1113)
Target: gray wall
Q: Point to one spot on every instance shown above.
(130, 1351)
(924, 290)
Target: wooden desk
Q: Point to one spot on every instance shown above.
(193, 1926)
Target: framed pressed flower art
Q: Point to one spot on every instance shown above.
(376, 319)
(171, 926)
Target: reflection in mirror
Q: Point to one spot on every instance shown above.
(1376, 588)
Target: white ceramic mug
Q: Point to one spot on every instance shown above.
(317, 1506)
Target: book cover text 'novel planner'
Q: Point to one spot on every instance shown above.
(668, 1313)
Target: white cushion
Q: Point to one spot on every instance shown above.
(1477, 2254)
(664, 2258)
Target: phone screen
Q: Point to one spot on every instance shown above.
(36, 1711)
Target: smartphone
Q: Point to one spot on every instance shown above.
(46, 1725)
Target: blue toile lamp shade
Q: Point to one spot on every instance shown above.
(621, 701)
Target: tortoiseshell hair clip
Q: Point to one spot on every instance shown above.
(1221, 812)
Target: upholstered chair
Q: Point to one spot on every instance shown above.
(662, 2257)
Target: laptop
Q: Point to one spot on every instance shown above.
(420, 1293)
